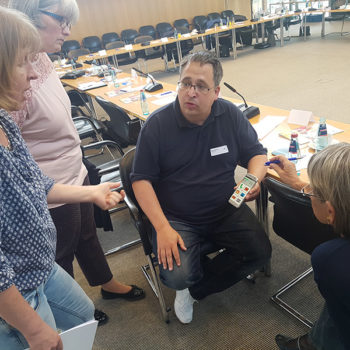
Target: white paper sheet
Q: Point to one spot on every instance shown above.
(300, 117)
(265, 126)
(164, 101)
(80, 337)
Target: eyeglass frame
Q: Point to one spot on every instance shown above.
(311, 194)
(62, 21)
(200, 89)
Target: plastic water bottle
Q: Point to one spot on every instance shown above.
(143, 102)
(294, 149)
(322, 135)
(175, 33)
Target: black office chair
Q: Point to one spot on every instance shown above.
(148, 30)
(120, 128)
(200, 23)
(186, 45)
(129, 35)
(93, 43)
(150, 53)
(295, 222)
(124, 58)
(182, 22)
(77, 53)
(225, 38)
(144, 229)
(244, 35)
(69, 45)
(79, 99)
(86, 126)
(165, 30)
(228, 15)
(109, 38)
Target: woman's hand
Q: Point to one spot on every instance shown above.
(104, 196)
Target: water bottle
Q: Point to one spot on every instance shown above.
(143, 102)
(175, 33)
(322, 136)
(94, 67)
(114, 77)
(74, 65)
(294, 149)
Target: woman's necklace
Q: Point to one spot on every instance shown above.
(8, 146)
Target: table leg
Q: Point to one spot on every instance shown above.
(281, 32)
(179, 53)
(217, 48)
(91, 104)
(323, 24)
(234, 43)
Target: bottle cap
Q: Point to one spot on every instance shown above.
(294, 135)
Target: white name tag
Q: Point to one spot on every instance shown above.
(218, 150)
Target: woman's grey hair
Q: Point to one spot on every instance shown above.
(66, 8)
(204, 57)
(329, 173)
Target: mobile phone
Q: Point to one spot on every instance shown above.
(242, 190)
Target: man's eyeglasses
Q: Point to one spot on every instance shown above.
(202, 89)
(62, 21)
(307, 191)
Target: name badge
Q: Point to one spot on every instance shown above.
(218, 150)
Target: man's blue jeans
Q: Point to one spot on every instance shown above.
(247, 248)
(60, 302)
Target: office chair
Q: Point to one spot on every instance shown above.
(182, 22)
(295, 222)
(150, 53)
(129, 35)
(200, 23)
(244, 35)
(165, 30)
(148, 30)
(69, 45)
(225, 38)
(122, 59)
(120, 128)
(109, 38)
(77, 53)
(228, 14)
(93, 43)
(144, 229)
(103, 167)
(79, 99)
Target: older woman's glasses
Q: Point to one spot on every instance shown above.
(185, 86)
(60, 19)
(307, 191)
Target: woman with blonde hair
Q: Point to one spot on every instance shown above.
(36, 294)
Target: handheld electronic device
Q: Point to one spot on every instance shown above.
(242, 190)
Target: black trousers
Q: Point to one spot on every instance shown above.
(76, 236)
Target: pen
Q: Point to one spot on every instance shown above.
(165, 93)
(277, 161)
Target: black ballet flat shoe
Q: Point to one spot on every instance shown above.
(135, 293)
(300, 343)
(101, 317)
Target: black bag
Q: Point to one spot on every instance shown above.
(224, 51)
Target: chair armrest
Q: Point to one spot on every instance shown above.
(100, 144)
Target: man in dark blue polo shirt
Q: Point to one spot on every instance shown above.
(183, 177)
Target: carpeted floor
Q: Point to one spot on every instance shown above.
(311, 75)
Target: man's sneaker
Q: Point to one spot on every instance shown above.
(183, 306)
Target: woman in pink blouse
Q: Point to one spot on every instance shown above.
(47, 127)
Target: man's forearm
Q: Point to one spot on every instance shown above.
(256, 166)
(148, 201)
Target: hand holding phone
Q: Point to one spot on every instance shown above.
(242, 190)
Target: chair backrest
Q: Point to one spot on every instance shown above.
(118, 125)
(200, 22)
(70, 45)
(227, 14)
(115, 45)
(182, 23)
(214, 16)
(93, 43)
(164, 29)
(148, 30)
(142, 223)
(109, 38)
(143, 39)
(129, 35)
(78, 52)
(293, 218)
